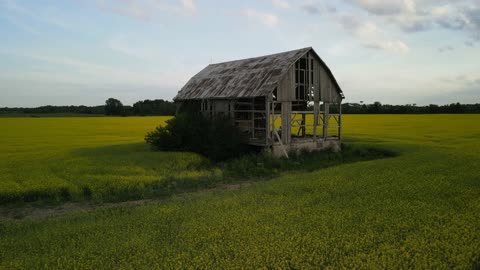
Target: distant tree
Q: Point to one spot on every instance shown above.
(154, 107)
(376, 107)
(113, 107)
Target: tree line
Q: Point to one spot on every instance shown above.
(379, 108)
(112, 107)
(147, 107)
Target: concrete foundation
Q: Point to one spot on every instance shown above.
(308, 144)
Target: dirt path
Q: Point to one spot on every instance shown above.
(10, 213)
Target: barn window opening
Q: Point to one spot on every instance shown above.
(304, 79)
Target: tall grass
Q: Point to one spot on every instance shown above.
(417, 210)
(58, 159)
(105, 159)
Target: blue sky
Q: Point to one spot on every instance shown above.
(82, 52)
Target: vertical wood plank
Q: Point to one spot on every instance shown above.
(340, 121)
(325, 120)
(315, 119)
(267, 120)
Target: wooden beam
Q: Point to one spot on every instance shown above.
(267, 121)
(304, 122)
(315, 119)
(286, 118)
(281, 144)
(340, 121)
(325, 120)
(253, 117)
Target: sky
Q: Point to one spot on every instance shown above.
(72, 52)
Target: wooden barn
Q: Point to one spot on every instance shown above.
(284, 102)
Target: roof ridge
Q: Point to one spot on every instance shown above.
(268, 55)
(250, 77)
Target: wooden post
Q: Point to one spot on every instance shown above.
(315, 119)
(326, 116)
(177, 107)
(340, 121)
(286, 121)
(206, 112)
(304, 123)
(232, 109)
(253, 117)
(267, 120)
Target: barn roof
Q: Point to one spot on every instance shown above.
(252, 77)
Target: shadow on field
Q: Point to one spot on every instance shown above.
(141, 156)
(134, 172)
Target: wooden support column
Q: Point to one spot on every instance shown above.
(304, 123)
(232, 109)
(214, 108)
(177, 107)
(207, 111)
(253, 117)
(326, 116)
(340, 120)
(286, 121)
(267, 120)
(315, 119)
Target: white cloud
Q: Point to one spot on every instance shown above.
(395, 46)
(385, 7)
(85, 71)
(147, 9)
(42, 15)
(188, 7)
(445, 49)
(311, 7)
(467, 79)
(370, 35)
(359, 28)
(264, 18)
(422, 15)
(281, 3)
(121, 43)
(129, 8)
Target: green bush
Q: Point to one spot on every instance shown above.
(216, 139)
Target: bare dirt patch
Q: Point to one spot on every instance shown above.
(38, 212)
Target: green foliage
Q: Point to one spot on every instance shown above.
(216, 139)
(54, 110)
(141, 108)
(154, 107)
(113, 107)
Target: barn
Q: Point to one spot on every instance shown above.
(283, 102)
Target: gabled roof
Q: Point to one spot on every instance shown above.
(247, 78)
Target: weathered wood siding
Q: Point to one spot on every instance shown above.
(316, 79)
(324, 88)
(221, 106)
(286, 122)
(328, 90)
(286, 87)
